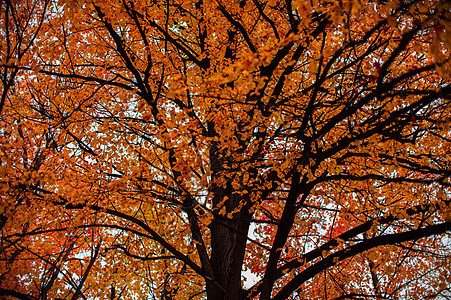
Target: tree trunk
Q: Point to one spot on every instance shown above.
(228, 245)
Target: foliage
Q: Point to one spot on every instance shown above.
(167, 149)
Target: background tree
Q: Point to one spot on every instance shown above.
(159, 149)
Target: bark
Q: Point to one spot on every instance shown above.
(228, 244)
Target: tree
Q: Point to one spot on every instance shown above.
(166, 149)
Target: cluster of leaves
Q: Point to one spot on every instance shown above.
(159, 149)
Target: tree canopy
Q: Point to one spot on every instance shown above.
(225, 149)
